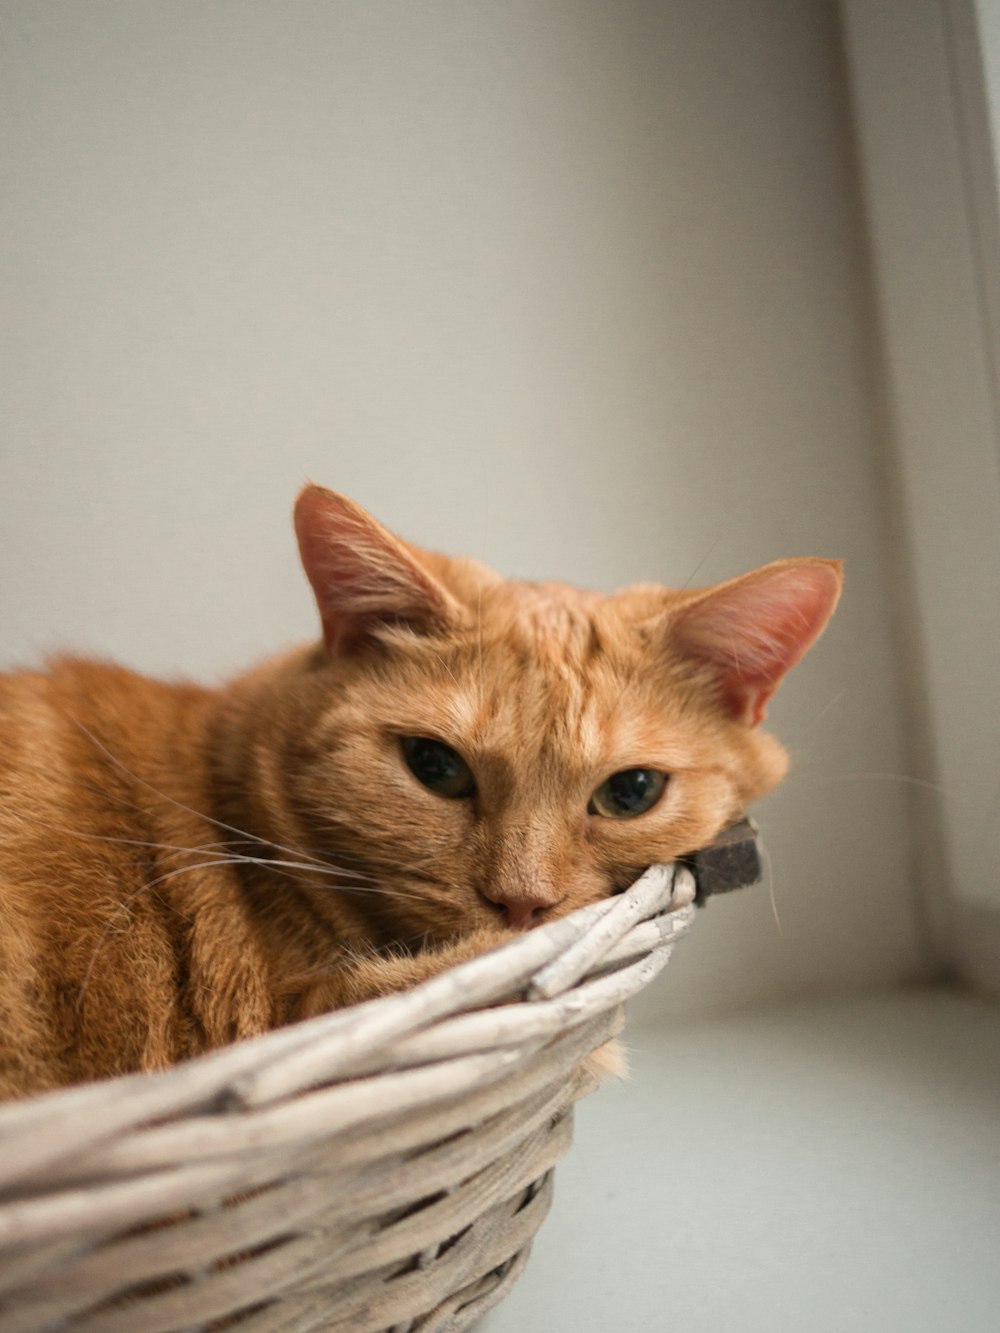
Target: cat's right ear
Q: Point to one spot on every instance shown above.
(753, 629)
(362, 575)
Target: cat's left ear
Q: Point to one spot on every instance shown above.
(752, 630)
(362, 575)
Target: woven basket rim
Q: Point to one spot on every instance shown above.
(386, 1162)
(522, 953)
(219, 1072)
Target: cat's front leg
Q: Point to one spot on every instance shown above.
(357, 979)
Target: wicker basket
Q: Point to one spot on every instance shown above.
(379, 1168)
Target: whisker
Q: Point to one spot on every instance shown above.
(222, 857)
(382, 889)
(711, 551)
(282, 867)
(769, 869)
(479, 634)
(331, 871)
(124, 905)
(792, 741)
(926, 784)
(179, 805)
(439, 657)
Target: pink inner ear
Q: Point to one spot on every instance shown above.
(755, 629)
(360, 573)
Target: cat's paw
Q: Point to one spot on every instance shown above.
(472, 945)
(369, 978)
(608, 1061)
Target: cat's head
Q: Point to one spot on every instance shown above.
(496, 751)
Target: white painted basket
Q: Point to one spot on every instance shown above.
(379, 1168)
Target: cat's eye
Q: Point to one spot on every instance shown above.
(441, 769)
(631, 792)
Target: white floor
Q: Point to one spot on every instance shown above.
(817, 1169)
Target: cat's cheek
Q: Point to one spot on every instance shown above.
(696, 808)
(765, 768)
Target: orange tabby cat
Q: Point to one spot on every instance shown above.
(460, 757)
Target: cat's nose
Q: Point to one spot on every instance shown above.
(521, 916)
(522, 912)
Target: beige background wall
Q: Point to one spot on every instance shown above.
(576, 288)
(924, 79)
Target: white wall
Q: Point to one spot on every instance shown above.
(987, 18)
(576, 288)
(925, 77)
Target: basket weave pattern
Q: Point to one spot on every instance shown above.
(379, 1168)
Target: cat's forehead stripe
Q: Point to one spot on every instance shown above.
(536, 702)
(546, 674)
(465, 711)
